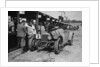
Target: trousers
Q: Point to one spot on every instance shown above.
(21, 41)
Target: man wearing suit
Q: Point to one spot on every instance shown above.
(21, 34)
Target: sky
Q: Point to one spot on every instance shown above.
(72, 15)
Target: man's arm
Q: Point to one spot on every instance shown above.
(25, 30)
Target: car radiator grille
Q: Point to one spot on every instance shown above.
(44, 38)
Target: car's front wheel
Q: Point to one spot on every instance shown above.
(58, 46)
(31, 44)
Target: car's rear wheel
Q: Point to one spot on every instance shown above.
(57, 46)
(72, 38)
(70, 42)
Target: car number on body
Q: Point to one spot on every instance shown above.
(38, 36)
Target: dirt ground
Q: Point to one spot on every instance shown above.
(68, 54)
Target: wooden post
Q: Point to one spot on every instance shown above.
(18, 17)
(37, 21)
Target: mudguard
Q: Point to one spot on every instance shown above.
(57, 33)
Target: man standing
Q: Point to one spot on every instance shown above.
(21, 33)
(10, 25)
(31, 31)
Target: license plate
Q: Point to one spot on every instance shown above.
(38, 36)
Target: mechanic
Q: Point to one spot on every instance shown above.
(30, 30)
(21, 34)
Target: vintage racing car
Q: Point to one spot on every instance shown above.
(50, 34)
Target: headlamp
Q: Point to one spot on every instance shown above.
(49, 37)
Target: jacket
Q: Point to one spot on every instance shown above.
(21, 30)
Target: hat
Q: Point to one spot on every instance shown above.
(23, 20)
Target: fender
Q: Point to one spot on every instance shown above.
(57, 33)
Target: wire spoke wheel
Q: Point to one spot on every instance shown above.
(58, 46)
(31, 44)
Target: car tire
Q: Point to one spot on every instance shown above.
(57, 46)
(31, 44)
(70, 42)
